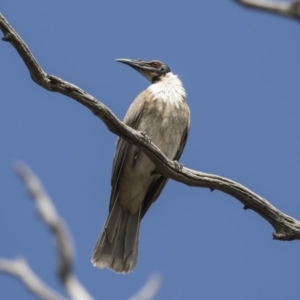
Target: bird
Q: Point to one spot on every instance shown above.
(162, 113)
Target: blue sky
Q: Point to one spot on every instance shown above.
(240, 70)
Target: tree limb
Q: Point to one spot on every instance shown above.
(19, 268)
(56, 225)
(286, 228)
(287, 9)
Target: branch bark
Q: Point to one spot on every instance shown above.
(286, 228)
(287, 9)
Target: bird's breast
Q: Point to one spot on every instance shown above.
(164, 123)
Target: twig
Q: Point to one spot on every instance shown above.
(56, 225)
(286, 228)
(289, 9)
(149, 290)
(19, 268)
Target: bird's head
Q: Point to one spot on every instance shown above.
(153, 70)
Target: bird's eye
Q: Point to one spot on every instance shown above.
(155, 64)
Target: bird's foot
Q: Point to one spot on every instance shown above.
(146, 137)
(178, 166)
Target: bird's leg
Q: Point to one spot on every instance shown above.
(146, 137)
(178, 166)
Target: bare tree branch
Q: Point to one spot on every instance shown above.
(19, 268)
(149, 290)
(286, 228)
(56, 225)
(289, 9)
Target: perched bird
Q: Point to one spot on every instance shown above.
(162, 113)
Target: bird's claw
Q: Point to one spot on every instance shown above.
(178, 166)
(146, 137)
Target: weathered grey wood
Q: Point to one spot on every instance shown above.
(290, 9)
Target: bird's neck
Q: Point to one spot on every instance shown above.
(168, 89)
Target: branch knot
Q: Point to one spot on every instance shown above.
(7, 37)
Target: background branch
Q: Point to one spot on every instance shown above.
(57, 227)
(286, 228)
(19, 268)
(149, 290)
(287, 9)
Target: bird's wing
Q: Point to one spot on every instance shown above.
(131, 119)
(153, 192)
(158, 185)
(183, 142)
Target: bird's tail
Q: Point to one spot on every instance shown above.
(117, 246)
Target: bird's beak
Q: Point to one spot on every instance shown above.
(139, 65)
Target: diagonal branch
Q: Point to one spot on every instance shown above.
(19, 268)
(286, 228)
(56, 225)
(289, 9)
